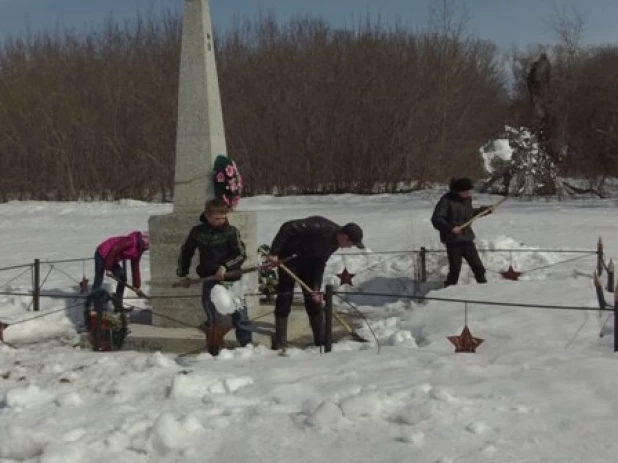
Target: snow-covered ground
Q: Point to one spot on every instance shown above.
(542, 387)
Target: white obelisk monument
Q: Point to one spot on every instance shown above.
(200, 139)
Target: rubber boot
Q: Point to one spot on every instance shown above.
(280, 338)
(316, 320)
(214, 338)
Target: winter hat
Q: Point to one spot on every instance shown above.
(461, 184)
(355, 233)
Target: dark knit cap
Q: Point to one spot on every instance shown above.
(461, 184)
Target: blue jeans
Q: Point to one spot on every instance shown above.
(117, 271)
(240, 318)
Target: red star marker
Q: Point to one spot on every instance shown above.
(345, 277)
(510, 274)
(465, 342)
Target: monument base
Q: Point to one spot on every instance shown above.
(148, 338)
(182, 307)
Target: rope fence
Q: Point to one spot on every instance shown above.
(472, 301)
(420, 273)
(422, 250)
(15, 267)
(340, 293)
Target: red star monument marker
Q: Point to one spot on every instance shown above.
(465, 342)
(345, 277)
(510, 274)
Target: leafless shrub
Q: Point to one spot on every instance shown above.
(308, 108)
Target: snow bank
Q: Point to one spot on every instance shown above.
(417, 401)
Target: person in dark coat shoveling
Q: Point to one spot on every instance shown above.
(313, 240)
(453, 210)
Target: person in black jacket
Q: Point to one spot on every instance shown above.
(313, 240)
(220, 250)
(454, 209)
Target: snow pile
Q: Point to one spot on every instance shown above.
(518, 158)
(58, 325)
(496, 154)
(200, 385)
(26, 396)
(171, 434)
(381, 279)
(228, 300)
(386, 274)
(503, 252)
(20, 443)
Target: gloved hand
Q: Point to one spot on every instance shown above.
(220, 273)
(317, 297)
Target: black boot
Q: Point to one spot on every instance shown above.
(317, 327)
(280, 338)
(215, 334)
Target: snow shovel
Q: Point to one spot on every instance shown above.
(131, 287)
(483, 213)
(186, 282)
(353, 334)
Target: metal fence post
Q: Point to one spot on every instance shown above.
(610, 276)
(616, 321)
(36, 283)
(328, 318)
(598, 287)
(600, 257)
(423, 257)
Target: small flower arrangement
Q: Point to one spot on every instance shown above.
(268, 278)
(227, 180)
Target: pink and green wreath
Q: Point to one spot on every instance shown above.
(228, 182)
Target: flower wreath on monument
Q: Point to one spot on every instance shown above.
(228, 182)
(268, 278)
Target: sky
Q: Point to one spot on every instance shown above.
(506, 22)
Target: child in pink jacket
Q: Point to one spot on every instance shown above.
(109, 255)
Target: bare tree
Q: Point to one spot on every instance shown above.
(308, 108)
(568, 26)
